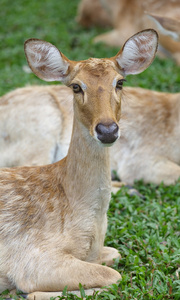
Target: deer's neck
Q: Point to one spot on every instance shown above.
(87, 176)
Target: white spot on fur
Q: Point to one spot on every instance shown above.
(114, 82)
(83, 86)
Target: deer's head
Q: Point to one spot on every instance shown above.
(96, 83)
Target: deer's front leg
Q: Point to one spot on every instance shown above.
(68, 272)
(49, 295)
(108, 255)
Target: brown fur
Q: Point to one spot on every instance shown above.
(53, 218)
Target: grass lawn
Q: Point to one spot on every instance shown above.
(145, 231)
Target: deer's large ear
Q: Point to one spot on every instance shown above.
(138, 52)
(46, 61)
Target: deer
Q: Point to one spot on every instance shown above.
(129, 16)
(53, 218)
(148, 148)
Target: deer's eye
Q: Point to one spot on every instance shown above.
(119, 84)
(76, 88)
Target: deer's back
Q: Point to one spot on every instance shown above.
(150, 117)
(150, 132)
(31, 125)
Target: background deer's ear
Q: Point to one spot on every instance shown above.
(138, 52)
(46, 61)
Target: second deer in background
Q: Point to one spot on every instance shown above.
(129, 16)
(148, 149)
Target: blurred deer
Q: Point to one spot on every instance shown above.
(53, 218)
(148, 149)
(130, 16)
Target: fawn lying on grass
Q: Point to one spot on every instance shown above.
(53, 218)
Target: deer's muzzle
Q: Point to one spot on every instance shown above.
(107, 133)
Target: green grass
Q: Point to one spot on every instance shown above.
(145, 231)
(147, 234)
(54, 21)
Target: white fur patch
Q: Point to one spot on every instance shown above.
(83, 86)
(114, 82)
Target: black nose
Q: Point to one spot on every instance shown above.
(107, 133)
